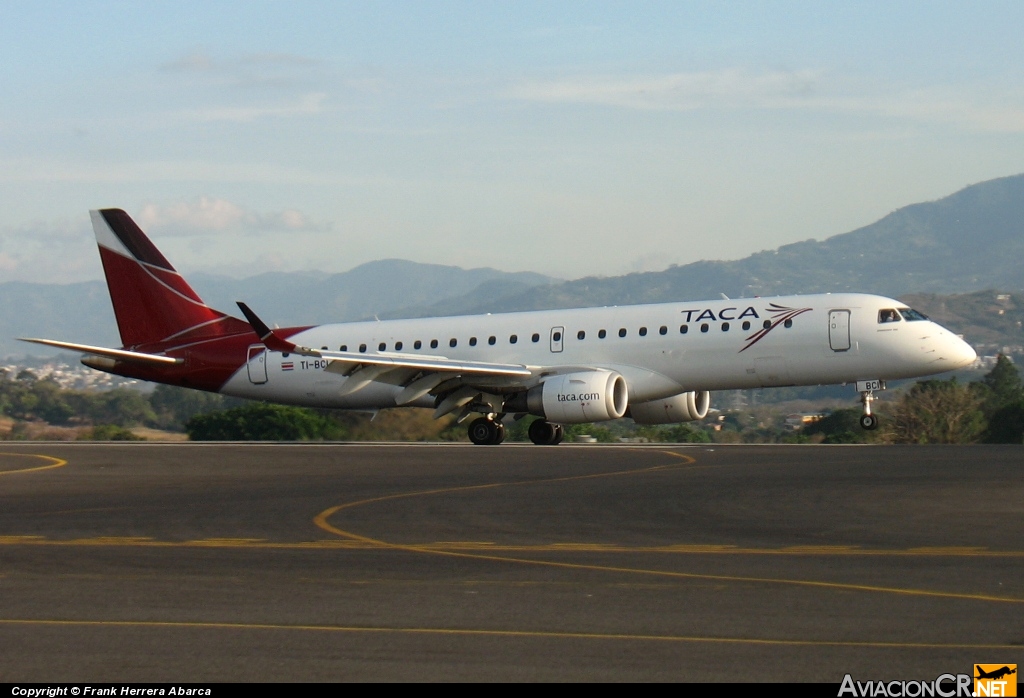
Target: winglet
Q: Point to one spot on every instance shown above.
(269, 338)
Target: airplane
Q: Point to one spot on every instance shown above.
(995, 673)
(655, 364)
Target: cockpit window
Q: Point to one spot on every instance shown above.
(912, 315)
(888, 315)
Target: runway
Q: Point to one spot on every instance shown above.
(330, 562)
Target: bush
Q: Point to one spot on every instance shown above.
(1006, 425)
(262, 422)
(109, 432)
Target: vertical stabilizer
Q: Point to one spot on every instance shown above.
(152, 302)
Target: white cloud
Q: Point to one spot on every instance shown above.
(303, 105)
(58, 251)
(806, 90)
(200, 61)
(202, 230)
(7, 262)
(675, 91)
(209, 215)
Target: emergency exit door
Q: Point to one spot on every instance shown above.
(556, 339)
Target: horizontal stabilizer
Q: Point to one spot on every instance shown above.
(119, 354)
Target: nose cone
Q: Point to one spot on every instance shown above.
(953, 352)
(959, 353)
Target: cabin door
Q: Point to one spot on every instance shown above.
(839, 330)
(257, 364)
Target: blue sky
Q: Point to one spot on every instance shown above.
(566, 138)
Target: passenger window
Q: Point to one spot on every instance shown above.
(601, 334)
(746, 325)
(663, 330)
(643, 331)
(433, 344)
(622, 332)
(581, 335)
(704, 327)
(513, 339)
(725, 327)
(683, 329)
(557, 336)
(343, 347)
(766, 324)
(888, 315)
(472, 341)
(324, 348)
(382, 347)
(491, 340)
(788, 324)
(398, 346)
(452, 342)
(362, 348)
(535, 337)
(417, 344)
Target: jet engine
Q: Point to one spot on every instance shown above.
(684, 407)
(575, 398)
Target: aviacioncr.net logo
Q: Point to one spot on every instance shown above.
(943, 686)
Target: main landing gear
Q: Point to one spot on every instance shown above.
(544, 433)
(486, 432)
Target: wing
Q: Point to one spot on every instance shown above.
(348, 361)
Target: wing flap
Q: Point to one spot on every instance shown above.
(345, 361)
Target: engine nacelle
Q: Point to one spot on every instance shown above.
(684, 407)
(575, 398)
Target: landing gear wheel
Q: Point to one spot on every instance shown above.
(868, 421)
(544, 433)
(486, 432)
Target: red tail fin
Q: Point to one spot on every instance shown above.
(152, 302)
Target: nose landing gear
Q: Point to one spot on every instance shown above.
(869, 421)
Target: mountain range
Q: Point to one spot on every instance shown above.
(966, 242)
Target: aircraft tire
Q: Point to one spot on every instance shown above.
(544, 433)
(484, 432)
(868, 422)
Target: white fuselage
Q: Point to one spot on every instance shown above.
(660, 349)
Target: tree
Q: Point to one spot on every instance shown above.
(938, 412)
(687, 434)
(174, 406)
(1002, 386)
